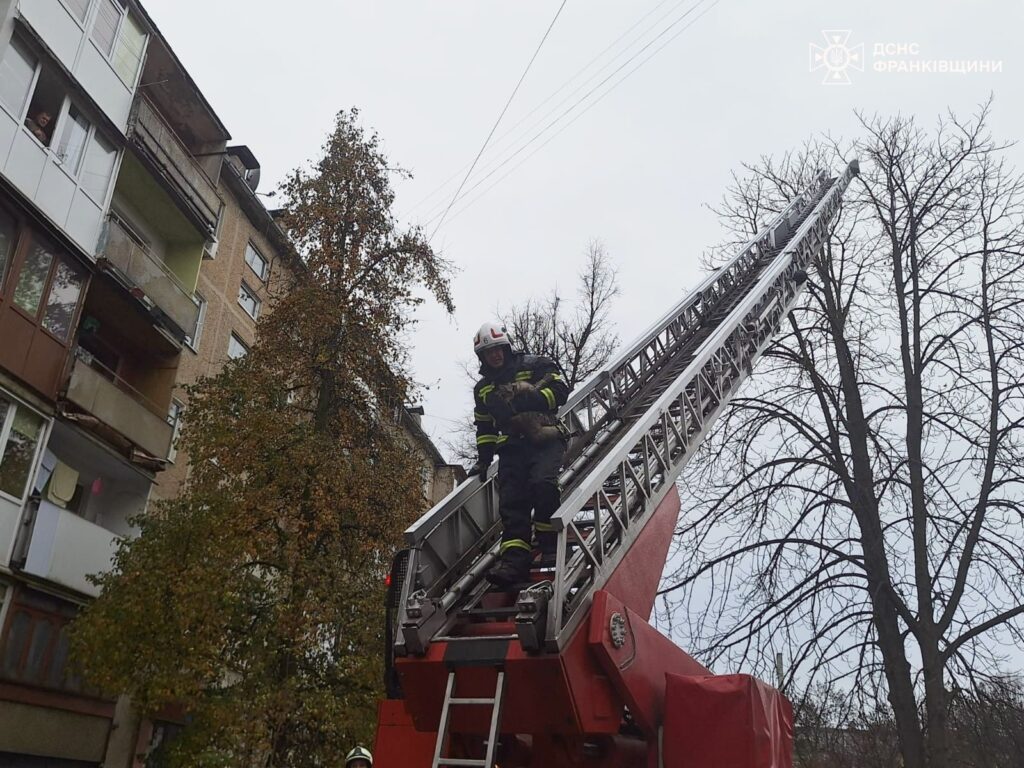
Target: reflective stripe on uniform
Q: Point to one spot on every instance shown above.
(485, 390)
(514, 544)
(501, 439)
(543, 527)
(482, 416)
(524, 375)
(486, 439)
(549, 396)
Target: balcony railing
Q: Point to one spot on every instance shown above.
(175, 161)
(111, 400)
(65, 549)
(151, 276)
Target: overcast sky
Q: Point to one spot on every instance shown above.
(637, 170)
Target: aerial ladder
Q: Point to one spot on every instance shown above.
(568, 671)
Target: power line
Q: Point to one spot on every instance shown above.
(579, 101)
(574, 105)
(503, 111)
(508, 132)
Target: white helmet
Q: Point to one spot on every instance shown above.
(491, 335)
(358, 753)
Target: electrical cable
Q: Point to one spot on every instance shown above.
(432, 218)
(578, 102)
(505, 134)
(503, 111)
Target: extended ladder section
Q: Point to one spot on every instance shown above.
(635, 426)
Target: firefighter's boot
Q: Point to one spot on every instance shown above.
(512, 569)
(547, 545)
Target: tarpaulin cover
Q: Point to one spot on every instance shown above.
(726, 721)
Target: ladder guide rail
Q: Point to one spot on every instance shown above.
(628, 483)
(612, 479)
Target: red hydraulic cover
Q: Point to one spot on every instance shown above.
(726, 721)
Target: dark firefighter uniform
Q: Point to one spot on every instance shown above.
(528, 471)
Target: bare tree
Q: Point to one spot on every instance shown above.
(986, 729)
(579, 338)
(860, 505)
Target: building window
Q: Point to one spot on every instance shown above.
(71, 146)
(34, 272)
(236, 348)
(48, 282)
(20, 430)
(79, 8)
(174, 419)
(45, 106)
(99, 167)
(119, 36)
(17, 72)
(24, 81)
(8, 237)
(193, 340)
(65, 291)
(256, 261)
(35, 645)
(247, 299)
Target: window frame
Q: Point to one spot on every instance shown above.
(90, 28)
(6, 425)
(26, 238)
(174, 414)
(63, 114)
(263, 259)
(16, 39)
(233, 337)
(243, 288)
(192, 342)
(85, 16)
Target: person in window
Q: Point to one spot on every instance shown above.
(40, 125)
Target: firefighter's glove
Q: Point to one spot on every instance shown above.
(526, 397)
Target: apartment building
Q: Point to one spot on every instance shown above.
(253, 262)
(135, 256)
(109, 166)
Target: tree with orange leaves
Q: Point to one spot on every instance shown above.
(254, 600)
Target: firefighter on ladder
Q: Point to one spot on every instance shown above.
(516, 405)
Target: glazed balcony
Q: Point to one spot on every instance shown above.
(174, 162)
(158, 285)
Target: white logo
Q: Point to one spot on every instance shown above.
(836, 58)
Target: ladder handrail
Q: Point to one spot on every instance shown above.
(647, 459)
(691, 298)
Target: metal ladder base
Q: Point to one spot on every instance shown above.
(450, 700)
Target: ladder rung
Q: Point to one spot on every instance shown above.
(471, 701)
(461, 761)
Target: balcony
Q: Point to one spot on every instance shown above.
(149, 274)
(104, 395)
(65, 548)
(174, 162)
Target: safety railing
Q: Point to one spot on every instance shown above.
(148, 273)
(601, 518)
(175, 161)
